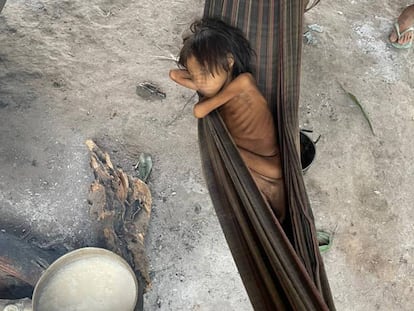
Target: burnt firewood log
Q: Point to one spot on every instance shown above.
(21, 265)
(121, 205)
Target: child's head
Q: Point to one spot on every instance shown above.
(217, 46)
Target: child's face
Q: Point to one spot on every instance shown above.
(207, 83)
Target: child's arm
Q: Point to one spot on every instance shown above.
(182, 77)
(236, 87)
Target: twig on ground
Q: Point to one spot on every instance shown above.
(178, 115)
(171, 58)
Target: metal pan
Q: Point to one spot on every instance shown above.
(87, 279)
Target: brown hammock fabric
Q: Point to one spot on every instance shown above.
(281, 267)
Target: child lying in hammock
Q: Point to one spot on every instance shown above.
(215, 61)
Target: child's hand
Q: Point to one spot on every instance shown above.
(182, 77)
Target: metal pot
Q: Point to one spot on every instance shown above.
(85, 279)
(307, 150)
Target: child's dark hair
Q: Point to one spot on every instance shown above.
(212, 41)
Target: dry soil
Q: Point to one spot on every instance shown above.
(69, 71)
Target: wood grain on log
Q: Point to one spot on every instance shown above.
(122, 206)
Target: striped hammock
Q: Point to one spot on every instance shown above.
(281, 267)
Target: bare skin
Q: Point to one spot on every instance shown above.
(405, 21)
(249, 121)
(247, 116)
(197, 78)
(243, 109)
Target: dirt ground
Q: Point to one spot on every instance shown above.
(69, 71)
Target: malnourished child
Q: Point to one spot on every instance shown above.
(215, 61)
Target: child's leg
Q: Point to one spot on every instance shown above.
(273, 191)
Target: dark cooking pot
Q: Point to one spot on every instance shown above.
(307, 151)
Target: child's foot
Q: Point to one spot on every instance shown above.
(402, 35)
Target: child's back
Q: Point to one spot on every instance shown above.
(224, 83)
(250, 123)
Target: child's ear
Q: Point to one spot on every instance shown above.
(230, 60)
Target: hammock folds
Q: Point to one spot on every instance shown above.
(281, 267)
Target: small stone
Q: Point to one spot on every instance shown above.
(197, 208)
(159, 302)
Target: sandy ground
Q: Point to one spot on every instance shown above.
(68, 72)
